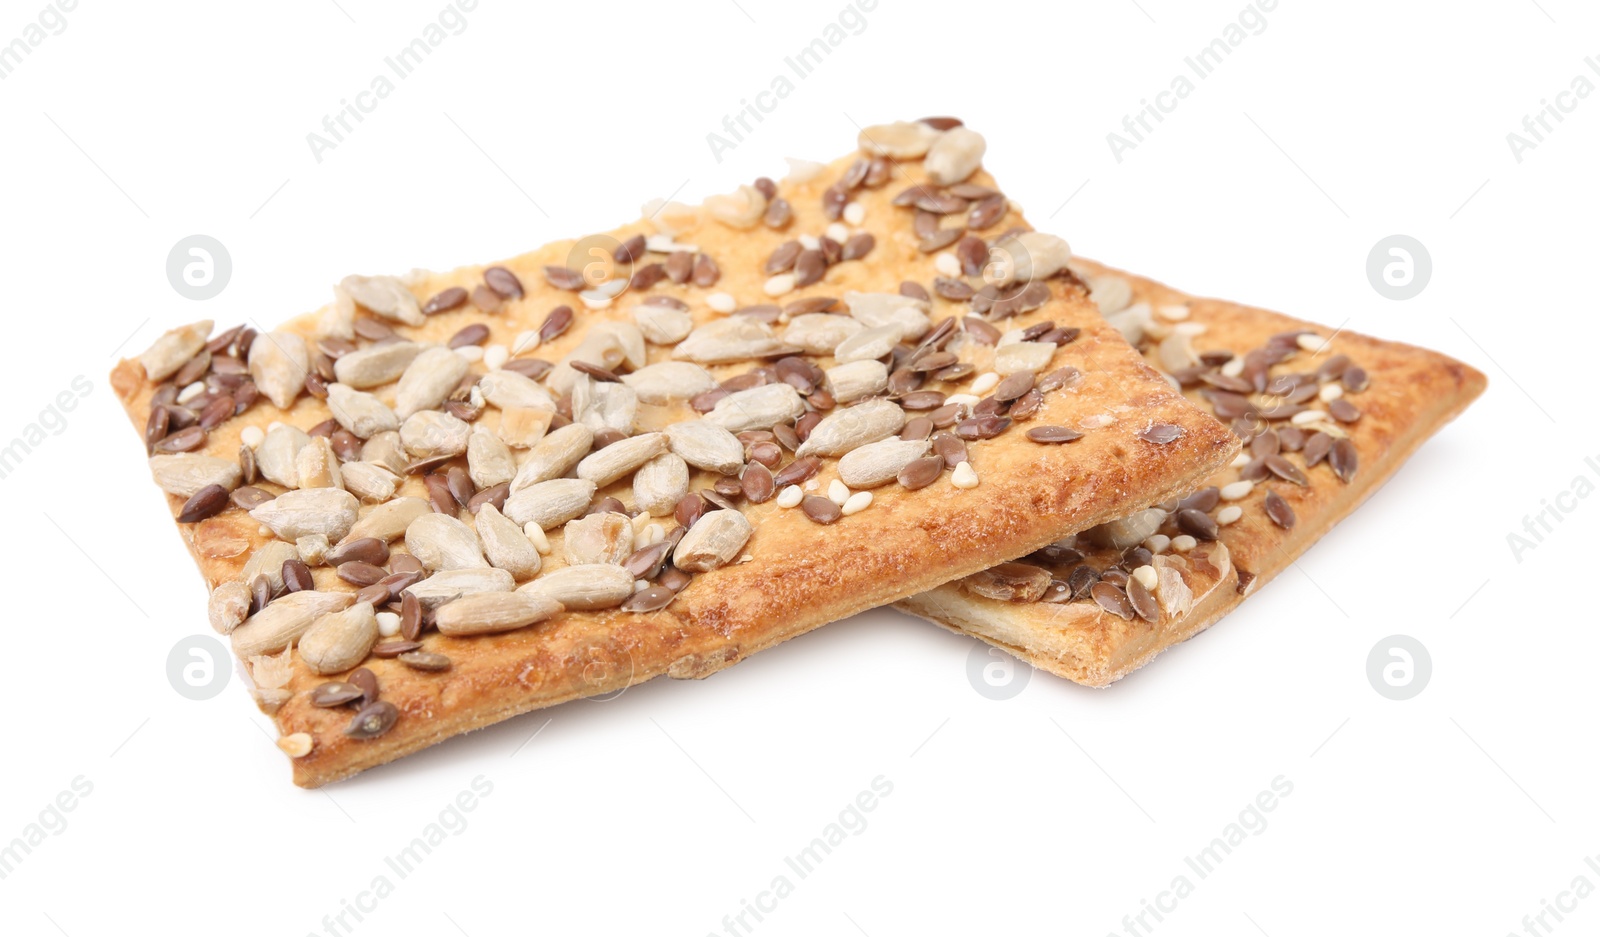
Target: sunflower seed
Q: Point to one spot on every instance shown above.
(820, 333)
(737, 338)
(604, 405)
(756, 408)
(1032, 255)
(427, 379)
(875, 310)
(583, 588)
(880, 462)
(228, 606)
(440, 541)
(713, 542)
(549, 503)
(376, 364)
(283, 622)
(174, 349)
(278, 365)
(954, 156)
(849, 428)
(660, 483)
(899, 140)
(387, 521)
(505, 545)
(337, 641)
(450, 584)
(387, 296)
(429, 434)
(185, 474)
(553, 456)
(1016, 357)
(494, 612)
(327, 511)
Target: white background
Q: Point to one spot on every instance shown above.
(1059, 810)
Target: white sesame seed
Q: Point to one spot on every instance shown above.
(790, 496)
(1157, 543)
(1183, 543)
(838, 492)
(778, 285)
(470, 352)
(656, 533)
(1190, 329)
(971, 400)
(1241, 460)
(1229, 514)
(809, 242)
(812, 484)
(594, 299)
(1145, 575)
(639, 585)
(526, 341)
(1311, 342)
(1176, 313)
(1233, 367)
(1305, 417)
(838, 232)
(1010, 338)
(964, 476)
(855, 213)
(984, 383)
(613, 288)
(947, 265)
(495, 357)
(388, 624)
(1330, 392)
(856, 503)
(265, 531)
(251, 436)
(722, 302)
(1233, 491)
(664, 244)
(192, 391)
(536, 535)
(475, 397)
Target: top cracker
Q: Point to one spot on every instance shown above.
(450, 498)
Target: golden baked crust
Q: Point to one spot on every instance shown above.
(800, 574)
(1413, 392)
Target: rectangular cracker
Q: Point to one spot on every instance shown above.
(1412, 393)
(793, 574)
